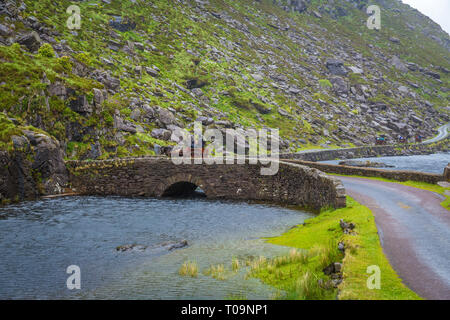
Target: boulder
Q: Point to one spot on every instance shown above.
(135, 114)
(432, 74)
(161, 134)
(99, 97)
(292, 5)
(123, 125)
(5, 31)
(197, 92)
(30, 40)
(166, 117)
(336, 67)
(152, 72)
(340, 86)
(80, 105)
(356, 70)
(205, 120)
(119, 24)
(398, 64)
(394, 40)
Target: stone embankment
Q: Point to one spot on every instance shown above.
(400, 175)
(370, 151)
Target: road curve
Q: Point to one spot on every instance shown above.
(414, 231)
(443, 132)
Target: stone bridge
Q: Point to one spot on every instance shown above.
(158, 177)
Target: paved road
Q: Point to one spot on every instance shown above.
(414, 231)
(443, 132)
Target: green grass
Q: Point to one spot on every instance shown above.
(321, 234)
(189, 268)
(415, 184)
(7, 130)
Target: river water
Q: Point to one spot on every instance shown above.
(434, 163)
(40, 239)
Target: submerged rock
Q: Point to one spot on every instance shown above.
(171, 245)
(131, 247)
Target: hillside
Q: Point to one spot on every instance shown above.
(136, 70)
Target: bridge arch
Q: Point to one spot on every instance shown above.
(182, 184)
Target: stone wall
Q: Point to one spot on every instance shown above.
(370, 172)
(369, 152)
(150, 177)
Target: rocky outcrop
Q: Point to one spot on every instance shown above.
(31, 41)
(33, 168)
(447, 173)
(336, 67)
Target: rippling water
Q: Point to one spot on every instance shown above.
(39, 240)
(434, 163)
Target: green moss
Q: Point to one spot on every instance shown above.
(46, 51)
(7, 130)
(125, 112)
(325, 83)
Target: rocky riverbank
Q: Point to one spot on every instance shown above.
(31, 165)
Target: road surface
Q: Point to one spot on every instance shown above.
(443, 132)
(414, 231)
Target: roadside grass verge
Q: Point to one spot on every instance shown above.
(415, 184)
(318, 238)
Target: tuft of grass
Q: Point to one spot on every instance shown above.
(235, 264)
(325, 83)
(189, 268)
(307, 287)
(216, 271)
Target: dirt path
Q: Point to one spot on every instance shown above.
(414, 231)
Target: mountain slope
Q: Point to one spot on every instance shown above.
(136, 70)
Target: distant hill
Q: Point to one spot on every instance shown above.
(136, 70)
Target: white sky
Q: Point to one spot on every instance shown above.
(437, 10)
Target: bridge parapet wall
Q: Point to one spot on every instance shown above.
(293, 184)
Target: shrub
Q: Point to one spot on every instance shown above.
(325, 83)
(46, 50)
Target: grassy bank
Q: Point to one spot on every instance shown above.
(415, 184)
(298, 274)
